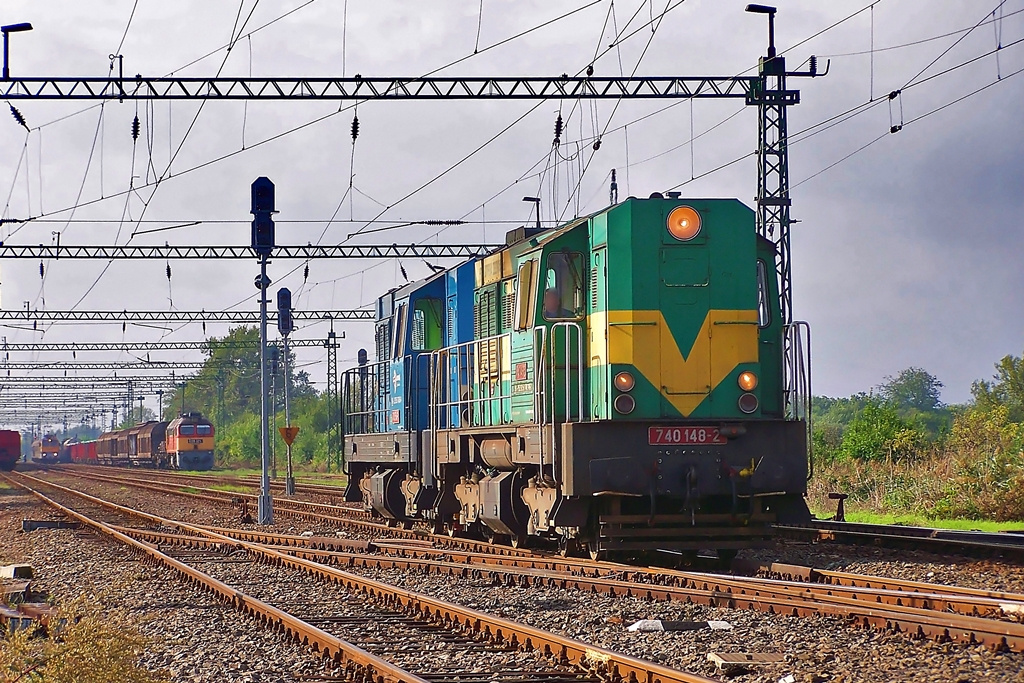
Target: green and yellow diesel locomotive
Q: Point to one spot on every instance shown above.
(624, 382)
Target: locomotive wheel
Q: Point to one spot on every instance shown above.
(726, 556)
(520, 540)
(568, 547)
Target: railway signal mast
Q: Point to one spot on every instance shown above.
(263, 244)
(288, 433)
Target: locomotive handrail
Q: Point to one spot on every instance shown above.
(470, 358)
(540, 393)
(798, 381)
(568, 327)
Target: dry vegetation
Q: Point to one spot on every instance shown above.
(87, 646)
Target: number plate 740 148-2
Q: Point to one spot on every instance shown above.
(684, 436)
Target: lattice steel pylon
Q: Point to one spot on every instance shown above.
(773, 201)
(333, 402)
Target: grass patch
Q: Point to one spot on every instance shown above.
(188, 489)
(232, 488)
(4, 485)
(865, 517)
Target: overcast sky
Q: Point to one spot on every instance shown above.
(907, 253)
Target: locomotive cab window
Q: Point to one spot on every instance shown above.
(187, 430)
(204, 430)
(399, 340)
(524, 296)
(427, 325)
(764, 310)
(563, 286)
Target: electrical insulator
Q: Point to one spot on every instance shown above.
(305, 273)
(597, 144)
(814, 65)
(558, 129)
(40, 269)
(168, 271)
(590, 70)
(135, 127)
(355, 127)
(404, 274)
(17, 114)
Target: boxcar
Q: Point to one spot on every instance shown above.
(10, 449)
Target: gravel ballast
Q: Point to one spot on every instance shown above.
(815, 649)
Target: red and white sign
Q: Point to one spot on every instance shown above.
(685, 436)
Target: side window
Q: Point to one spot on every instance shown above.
(764, 309)
(524, 296)
(563, 286)
(398, 349)
(426, 325)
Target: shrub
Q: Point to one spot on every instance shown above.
(88, 647)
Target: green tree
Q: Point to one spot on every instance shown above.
(912, 389)
(228, 386)
(879, 432)
(1005, 389)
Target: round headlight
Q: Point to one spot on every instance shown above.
(683, 223)
(747, 381)
(747, 403)
(624, 404)
(624, 381)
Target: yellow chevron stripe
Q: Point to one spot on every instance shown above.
(643, 339)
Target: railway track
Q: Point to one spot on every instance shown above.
(1006, 545)
(921, 610)
(392, 634)
(969, 543)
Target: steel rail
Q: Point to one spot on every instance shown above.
(372, 667)
(846, 587)
(837, 578)
(305, 511)
(921, 614)
(711, 590)
(934, 540)
(608, 663)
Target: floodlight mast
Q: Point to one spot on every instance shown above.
(7, 30)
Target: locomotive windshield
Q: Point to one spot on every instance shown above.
(563, 286)
(187, 430)
(426, 325)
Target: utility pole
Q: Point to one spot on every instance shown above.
(288, 433)
(263, 245)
